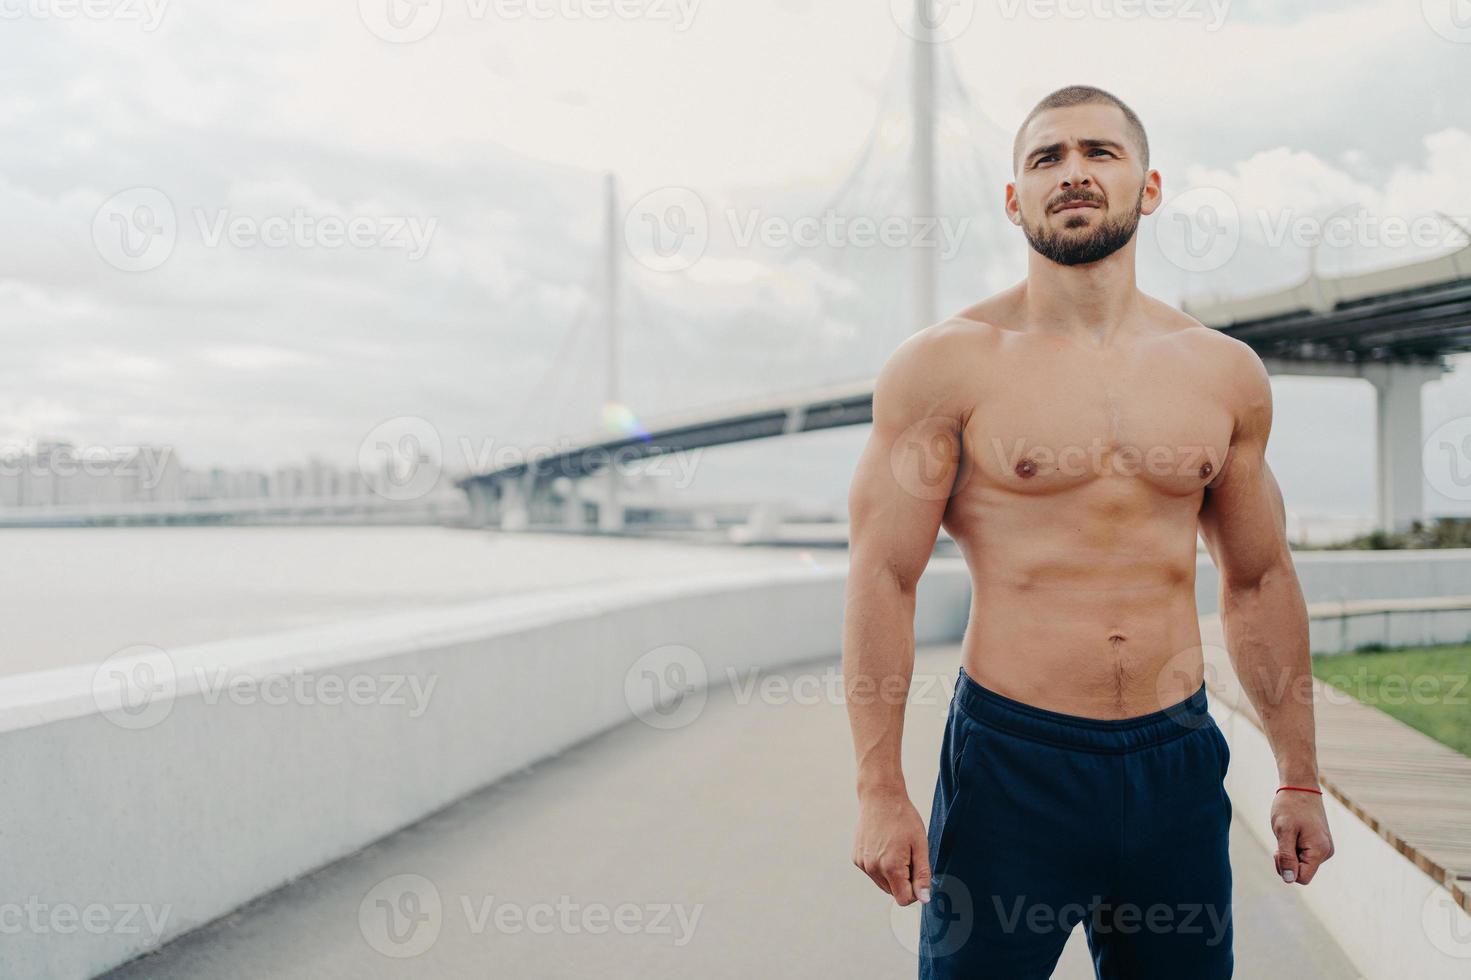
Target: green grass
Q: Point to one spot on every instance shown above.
(1427, 688)
(1441, 532)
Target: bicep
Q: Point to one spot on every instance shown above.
(904, 480)
(1243, 519)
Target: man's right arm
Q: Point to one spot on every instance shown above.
(905, 477)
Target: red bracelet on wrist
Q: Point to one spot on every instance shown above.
(1305, 789)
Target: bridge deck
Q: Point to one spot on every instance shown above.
(747, 813)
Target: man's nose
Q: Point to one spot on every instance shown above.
(1075, 175)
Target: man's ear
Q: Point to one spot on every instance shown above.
(1152, 193)
(1013, 207)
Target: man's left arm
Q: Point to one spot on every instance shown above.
(1243, 522)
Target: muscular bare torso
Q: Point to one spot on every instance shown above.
(1082, 472)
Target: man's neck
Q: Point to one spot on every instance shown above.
(1089, 302)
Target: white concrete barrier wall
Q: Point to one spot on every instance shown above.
(1391, 627)
(1391, 919)
(1330, 575)
(127, 820)
(126, 823)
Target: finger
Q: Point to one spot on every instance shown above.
(1286, 854)
(877, 877)
(919, 861)
(1309, 860)
(869, 867)
(896, 870)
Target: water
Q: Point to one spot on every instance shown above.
(77, 595)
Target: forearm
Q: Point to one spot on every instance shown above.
(878, 664)
(1266, 629)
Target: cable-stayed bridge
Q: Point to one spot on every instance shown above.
(931, 156)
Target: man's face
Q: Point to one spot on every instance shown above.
(1080, 184)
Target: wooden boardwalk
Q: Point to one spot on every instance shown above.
(1410, 789)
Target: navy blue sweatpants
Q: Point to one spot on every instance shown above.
(1042, 820)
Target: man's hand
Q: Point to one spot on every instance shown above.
(891, 847)
(1301, 828)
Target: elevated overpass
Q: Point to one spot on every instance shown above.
(1391, 327)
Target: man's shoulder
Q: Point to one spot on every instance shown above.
(1229, 352)
(1225, 364)
(934, 371)
(954, 342)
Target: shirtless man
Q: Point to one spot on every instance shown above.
(1073, 435)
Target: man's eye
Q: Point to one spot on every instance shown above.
(1099, 149)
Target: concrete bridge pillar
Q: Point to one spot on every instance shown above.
(481, 501)
(1400, 441)
(610, 508)
(515, 509)
(573, 517)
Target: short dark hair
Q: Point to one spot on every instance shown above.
(1073, 95)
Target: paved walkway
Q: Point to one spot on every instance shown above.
(720, 849)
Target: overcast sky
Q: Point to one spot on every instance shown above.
(256, 231)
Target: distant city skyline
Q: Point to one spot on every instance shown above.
(59, 472)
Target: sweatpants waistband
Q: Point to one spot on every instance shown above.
(996, 710)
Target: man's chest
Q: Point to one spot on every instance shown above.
(1047, 423)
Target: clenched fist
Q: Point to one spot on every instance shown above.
(1303, 842)
(891, 847)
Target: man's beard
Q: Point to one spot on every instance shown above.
(1111, 235)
